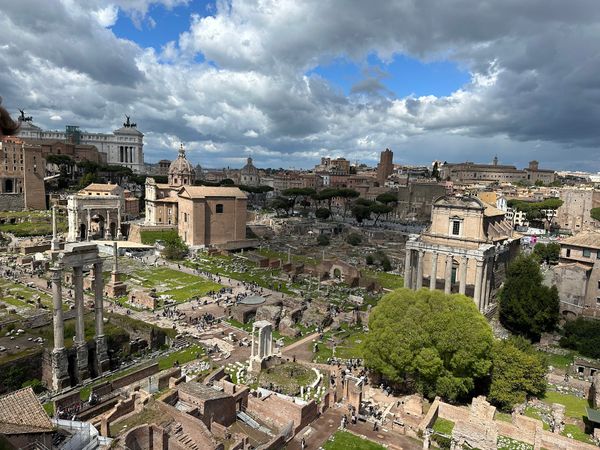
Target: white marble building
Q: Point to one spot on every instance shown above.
(123, 147)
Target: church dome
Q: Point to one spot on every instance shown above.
(249, 168)
(181, 171)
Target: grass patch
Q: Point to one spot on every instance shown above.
(577, 434)
(288, 377)
(535, 414)
(506, 443)
(181, 286)
(504, 417)
(574, 406)
(559, 361)
(149, 237)
(443, 426)
(343, 440)
(386, 280)
(49, 408)
(182, 356)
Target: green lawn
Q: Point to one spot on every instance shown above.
(535, 414)
(574, 406)
(182, 356)
(559, 361)
(181, 286)
(443, 426)
(386, 280)
(506, 443)
(35, 223)
(577, 434)
(11, 290)
(343, 440)
(149, 237)
(504, 417)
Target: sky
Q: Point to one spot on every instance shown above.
(288, 81)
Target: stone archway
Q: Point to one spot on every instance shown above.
(82, 232)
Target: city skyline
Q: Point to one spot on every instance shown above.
(287, 83)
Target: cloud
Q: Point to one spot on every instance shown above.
(533, 88)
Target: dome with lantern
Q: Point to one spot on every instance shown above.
(181, 171)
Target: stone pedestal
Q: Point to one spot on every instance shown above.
(115, 287)
(102, 355)
(60, 369)
(82, 362)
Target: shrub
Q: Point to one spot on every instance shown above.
(354, 239)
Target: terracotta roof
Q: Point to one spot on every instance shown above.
(21, 412)
(492, 211)
(588, 239)
(209, 191)
(100, 187)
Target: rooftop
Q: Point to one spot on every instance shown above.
(21, 412)
(587, 239)
(209, 191)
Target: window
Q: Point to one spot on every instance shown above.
(598, 284)
(587, 253)
(598, 254)
(597, 300)
(456, 227)
(219, 208)
(568, 252)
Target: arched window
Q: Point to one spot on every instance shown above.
(219, 208)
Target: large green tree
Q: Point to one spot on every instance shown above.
(438, 344)
(518, 372)
(527, 307)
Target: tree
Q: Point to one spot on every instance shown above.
(87, 179)
(435, 171)
(582, 335)
(347, 194)
(175, 248)
(280, 204)
(378, 209)
(595, 213)
(323, 240)
(322, 213)
(369, 260)
(294, 193)
(327, 194)
(387, 197)
(527, 307)
(361, 212)
(435, 343)
(227, 182)
(548, 253)
(354, 239)
(518, 372)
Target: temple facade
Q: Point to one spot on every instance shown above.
(465, 250)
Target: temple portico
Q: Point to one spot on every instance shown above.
(465, 250)
(76, 256)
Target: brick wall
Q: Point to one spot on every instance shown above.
(281, 412)
(135, 376)
(12, 202)
(192, 426)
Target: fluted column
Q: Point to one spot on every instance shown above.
(478, 281)
(107, 232)
(57, 313)
(464, 266)
(59, 360)
(119, 235)
(408, 269)
(88, 233)
(433, 276)
(484, 283)
(488, 283)
(102, 360)
(80, 344)
(54, 242)
(448, 275)
(419, 284)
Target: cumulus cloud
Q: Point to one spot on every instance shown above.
(532, 93)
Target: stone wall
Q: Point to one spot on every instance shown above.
(119, 410)
(12, 202)
(281, 412)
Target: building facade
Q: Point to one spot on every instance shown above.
(574, 215)
(22, 170)
(577, 275)
(385, 167)
(469, 172)
(124, 147)
(203, 216)
(466, 249)
(249, 175)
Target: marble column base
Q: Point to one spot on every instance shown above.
(102, 355)
(60, 369)
(82, 362)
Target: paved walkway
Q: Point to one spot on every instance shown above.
(320, 431)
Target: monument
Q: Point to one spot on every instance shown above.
(264, 344)
(115, 287)
(76, 256)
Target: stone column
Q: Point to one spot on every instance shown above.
(59, 360)
(119, 235)
(464, 267)
(408, 269)
(107, 232)
(80, 344)
(486, 285)
(433, 277)
(448, 275)
(419, 284)
(54, 243)
(101, 347)
(261, 344)
(478, 282)
(252, 348)
(89, 225)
